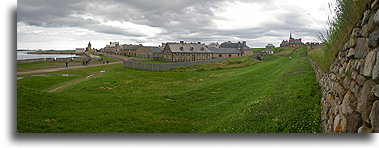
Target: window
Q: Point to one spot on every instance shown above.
(219, 55)
(191, 48)
(202, 48)
(181, 48)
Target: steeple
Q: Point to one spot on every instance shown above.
(290, 35)
(89, 48)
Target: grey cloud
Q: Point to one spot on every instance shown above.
(179, 19)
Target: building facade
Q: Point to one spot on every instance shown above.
(148, 52)
(214, 45)
(226, 52)
(242, 46)
(113, 47)
(292, 42)
(129, 50)
(80, 50)
(269, 49)
(184, 52)
(180, 51)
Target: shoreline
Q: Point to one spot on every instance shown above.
(54, 52)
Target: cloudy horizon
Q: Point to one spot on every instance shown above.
(72, 24)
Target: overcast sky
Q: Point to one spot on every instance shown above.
(69, 24)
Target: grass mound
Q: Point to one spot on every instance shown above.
(234, 62)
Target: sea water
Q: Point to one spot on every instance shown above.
(22, 55)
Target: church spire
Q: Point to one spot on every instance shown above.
(290, 35)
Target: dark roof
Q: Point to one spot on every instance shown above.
(246, 48)
(229, 45)
(270, 45)
(132, 47)
(226, 50)
(188, 47)
(234, 45)
(154, 49)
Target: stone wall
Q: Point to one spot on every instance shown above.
(350, 90)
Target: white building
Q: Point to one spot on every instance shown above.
(80, 50)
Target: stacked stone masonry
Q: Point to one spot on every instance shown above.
(350, 90)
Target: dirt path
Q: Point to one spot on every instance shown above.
(72, 82)
(61, 69)
(76, 81)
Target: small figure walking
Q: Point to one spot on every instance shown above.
(290, 58)
(107, 61)
(66, 64)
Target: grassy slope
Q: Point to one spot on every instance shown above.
(347, 14)
(257, 49)
(109, 59)
(278, 95)
(233, 62)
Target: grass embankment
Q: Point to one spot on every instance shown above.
(109, 59)
(157, 62)
(234, 62)
(277, 95)
(284, 51)
(348, 12)
(257, 49)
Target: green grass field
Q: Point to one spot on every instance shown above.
(55, 64)
(257, 49)
(276, 95)
(232, 62)
(41, 65)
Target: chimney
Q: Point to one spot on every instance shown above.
(181, 42)
(239, 44)
(244, 43)
(198, 42)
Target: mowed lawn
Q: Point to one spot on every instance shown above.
(276, 95)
